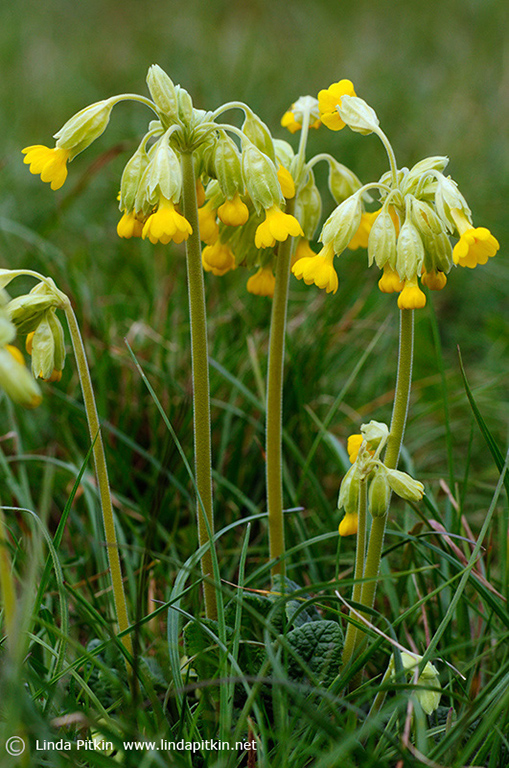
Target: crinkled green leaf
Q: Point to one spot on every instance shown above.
(319, 645)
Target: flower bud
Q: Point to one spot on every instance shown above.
(379, 494)
(308, 208)
(131, 178)
(227, 164)
(404, 485)
(342, 224)
(375, 434)
(259, 134)
(382, 240)
(163, 92)
(409, 251)
(358, 115)
(348, 498)
(185, 106)
(84, 128)
(260, 178)
(429, 700)
(342, 181)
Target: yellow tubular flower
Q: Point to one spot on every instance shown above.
(277, 226)
(390, 282)
(200, 193)
(288, 121)
(166, 224)
(209, 229)
(411, 297)
(217, 258)
(435, 281)
(349, 524)
(129, 226)
(476, 244)
(51, 164)
(302, 251)
(233, 213)
(353, 444)
(55, 376)
(318, 270)
(360, 239)
(329, 98)
(286, 182)
(262, 283)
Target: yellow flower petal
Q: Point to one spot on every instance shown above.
(354, 442)
(217, 258)
(51, 164)
(411, 297)
(233, 212)
(262, 283)
(329, 99)
(166, 224)
(277, 226)
(318, 269)
(349, 524)
(475, 246)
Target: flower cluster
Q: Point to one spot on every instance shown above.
(408, 236)
(364, 451)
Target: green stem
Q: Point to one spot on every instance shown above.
(102, 475)
(360, 552)
(274, 415)
(201, 392)
(394, 443)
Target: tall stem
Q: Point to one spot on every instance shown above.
(274, 413)
(360, 552)
(394, 443)
(102, 475)
(200, 372)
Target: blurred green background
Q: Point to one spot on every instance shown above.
(437, 74)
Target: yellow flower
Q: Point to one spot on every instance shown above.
(360, 239)
(200, 193)
(286, 182)
(55, 375)
(16, 353)
(476, 244)
(277, 226)
(217, 258)
(15, 378)
(318, 269)
(411, 297)
(435, 281)
(349, 524)
(288, 121)
(233, 212)
(209, 229)
(390, 282)
(302, 251)
(353, 444)
(329, 99)
(51, 164)
(166, 224)
(129, 226)
(262, 282)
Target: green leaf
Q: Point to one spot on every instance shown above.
(319, 645)
(291, 609)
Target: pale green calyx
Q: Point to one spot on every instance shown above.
(163, 93)
(409, 248)
(17, 381)
(131, 178)
(227, 165)
(429, 700)
(342, 181)
(260, 178)
(259, 134)
(404, 485)
(342, 224)
(382, 240)
(379, 494)
(85, 127)
(48, 347)
(27, 311)
(375, 434)
(358, 115)
(348, 498)
(308, 208)
(421, 171)
(447, 197)
(162, 177)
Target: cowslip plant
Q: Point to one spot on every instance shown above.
(408, 238)
(34, 315)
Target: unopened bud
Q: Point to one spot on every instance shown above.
(379, 494)
(358, 115)
(163, 92)
(84, 128)
(260, 178)
(259, 134)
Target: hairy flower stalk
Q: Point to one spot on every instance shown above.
(274, 417)
(201, 392)
(102, 475)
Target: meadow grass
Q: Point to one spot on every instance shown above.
(432, 68)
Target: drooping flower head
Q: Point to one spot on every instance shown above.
(305, 108)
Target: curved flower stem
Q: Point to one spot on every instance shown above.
(201, 393)
(274, 408)
(395, 441)
(102, 475)
(360, 553)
